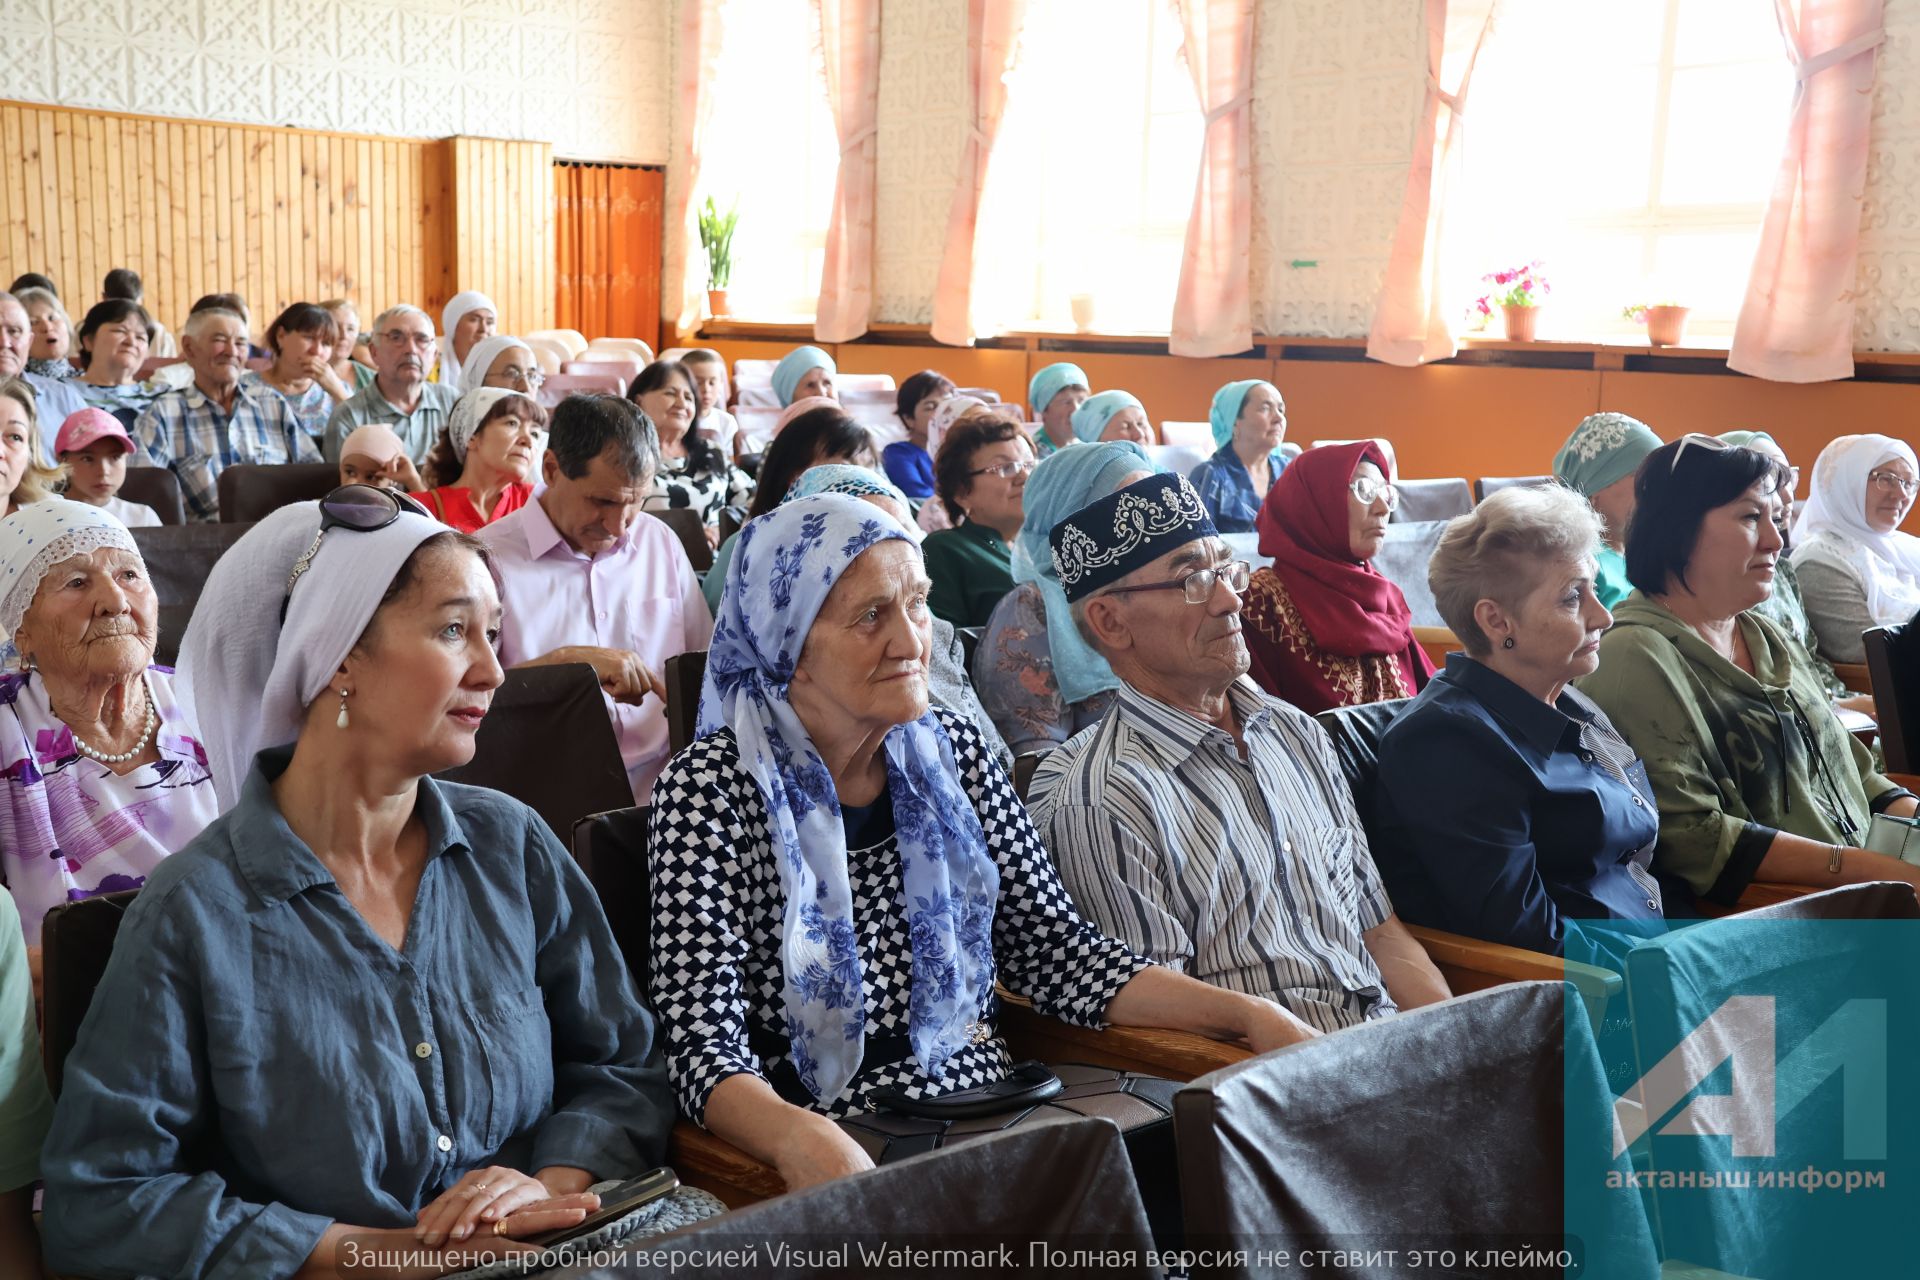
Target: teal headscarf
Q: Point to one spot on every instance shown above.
(794, 366)
(1747, 439)
(1091, 418)
(1227, 402)
(1050, 382)
(1604, 449)
(1062, 484)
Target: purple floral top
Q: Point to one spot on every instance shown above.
(69, 827)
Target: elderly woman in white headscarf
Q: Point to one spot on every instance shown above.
(501, 361)
(364, 1004)
(468, 318)
(1856, 569)
(101, 772)
(932, 516)
(483, 465)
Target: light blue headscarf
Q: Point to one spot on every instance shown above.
(1227, 402)
(1604, 449)
(1091, 418)
(788, 561)
(1050, 382)
(794, 366)
(1746, 439)
(1062, 484)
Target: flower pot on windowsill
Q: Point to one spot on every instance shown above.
(717, 303)
(1666, 326)
(1522, 322)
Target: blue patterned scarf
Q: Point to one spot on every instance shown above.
(787, 564)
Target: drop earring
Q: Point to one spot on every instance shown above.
(340, 721)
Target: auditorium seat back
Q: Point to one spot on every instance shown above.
(179, 557)
(611, 849)
(571, 341)
(76, 940)
(684, 674)
(548, 742)
(1893, 664)
(1403, 559)
(249, 493)
(628, 346)
(561, 385)
(1422, 500)
(692, 532)
(1356, 734)
(159, 488)
(625, 363)
(1486, 486)
(548, 354)
(1179, 459)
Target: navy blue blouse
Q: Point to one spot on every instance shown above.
(259, 1063)
(1500, 817)
(1226, 488)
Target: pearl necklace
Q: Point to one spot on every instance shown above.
(146, 735)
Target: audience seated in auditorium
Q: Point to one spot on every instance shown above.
(695, 474)
(352, 373)
(483, 465)
(24, 478)
(1038, 677)
(1249, 421)
(362, 1003)
(302, 339)
(1756, 777)
(1203, 823)
(94, 447)
(809, 433)
(114, 343)
(501, 361)
(399, 394)
(1856, 569)
(586, 576)
(1323, 627)
(802, 811)
(981, 473)
(217, 420)
(1054, 394)
(1112, 415)
(374, 455)
(123, 285)
(1506, 803)
(802, 373)
(1598, 462)
(709, 372)
(909, 462)
(468, 318)
(102, 774)
(932, 516)
(48, 354)
(54, 398)
(26, 1109)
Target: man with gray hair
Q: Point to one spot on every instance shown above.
(585, 577)
(399, 395)
(216, 420)
(1201, 822)
(53, 398)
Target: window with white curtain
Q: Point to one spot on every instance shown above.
(770, 142)
(1631, 146)
(1093, 172)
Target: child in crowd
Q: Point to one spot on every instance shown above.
(374, 455)
(711, 418)
(93, 446)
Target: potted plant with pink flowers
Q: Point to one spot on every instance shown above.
(1519, 292)
(1666, 322)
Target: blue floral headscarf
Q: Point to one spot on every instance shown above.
(1063, 483)
(844, 477)
(787, 564)
(794, 366)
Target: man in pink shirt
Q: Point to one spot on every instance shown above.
(585, 577)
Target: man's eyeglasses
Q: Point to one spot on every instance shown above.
(1197, 587)
(1368, 490)
(421, 340)
(1007, 470)
(1891, 480)
(359, 508)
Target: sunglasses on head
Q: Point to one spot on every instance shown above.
(358, 508)
(1712, 443)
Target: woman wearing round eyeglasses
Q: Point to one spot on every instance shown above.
(980, 475)
(504, 362)
(1324, 628)
(1856, 569)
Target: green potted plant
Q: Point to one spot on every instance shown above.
(716, 237)
(1519, 292)
(1666, 322)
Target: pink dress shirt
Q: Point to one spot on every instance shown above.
(640, 595)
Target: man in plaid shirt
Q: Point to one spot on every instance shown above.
(202, 429)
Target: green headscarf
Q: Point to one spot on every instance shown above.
(1604, 449)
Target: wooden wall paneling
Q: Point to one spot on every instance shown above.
(65, 255)
(13, 219)
(114, 224)
(42, 160)
(90, 239)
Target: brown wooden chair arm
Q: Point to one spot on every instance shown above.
(714, 1164)
(1438, 642)
(1469, 964)
(1854, 675)
(1152, 1051)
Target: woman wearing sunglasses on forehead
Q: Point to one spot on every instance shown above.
(364, 1009)
(1323, 627)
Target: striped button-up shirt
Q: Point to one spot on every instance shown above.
(191, 434)
(1251, 874)
(417, 430)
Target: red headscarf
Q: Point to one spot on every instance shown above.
(1348, 608)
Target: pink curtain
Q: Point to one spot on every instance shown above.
(850, 48)
(993, 37)
(1409, 322)
(1796, 324)
(683, 281)
(1212, 309)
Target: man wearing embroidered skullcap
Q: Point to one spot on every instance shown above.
(1202, 822)
(1598, 462)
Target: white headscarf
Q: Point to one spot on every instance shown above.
(1833, 526)
(458, 306)
(473, 374)
(37, 537)
(469, 411)
(248, 677)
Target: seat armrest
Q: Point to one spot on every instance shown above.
(1469, 964)
(1153, 1051)
(714, 1164)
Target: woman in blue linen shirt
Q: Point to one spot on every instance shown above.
(1554, 820)
(1249, 421)
(364, 1005)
